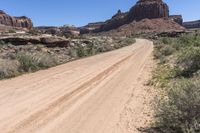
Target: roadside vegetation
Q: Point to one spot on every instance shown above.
(177, 77)
(16, 60)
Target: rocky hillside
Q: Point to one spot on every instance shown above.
(159, 25)
(22, 22)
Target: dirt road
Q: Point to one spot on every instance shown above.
(83, 96)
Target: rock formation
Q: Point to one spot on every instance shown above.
(21, 22)
(148, 9)
(144, 9)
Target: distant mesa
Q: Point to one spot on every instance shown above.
(20, 22)
(192, 24)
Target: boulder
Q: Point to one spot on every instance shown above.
(21, 22)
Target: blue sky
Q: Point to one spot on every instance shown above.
(81, 12)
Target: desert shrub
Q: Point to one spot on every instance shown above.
(81, 51)
(189, 40)
(166, 50)
(2, 42)
(30, 62)
(179, 110)
(33, 31)
(189, 60)
(91, 49)
(8, 68)
(162, 51)
(107, 47)
(165, 40)
(12, 31)
(127, 41)
(73, 52)
(27, 62)
(163, 74)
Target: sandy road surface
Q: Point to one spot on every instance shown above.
(83, 96)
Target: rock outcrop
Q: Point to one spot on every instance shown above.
(177, 18)
(59, 31)
(89, 28)
(21, 22)
(148, 9)
(27, 40)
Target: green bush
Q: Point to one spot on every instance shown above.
(189, 60)
(2, 42)
(12, 31)
(81, 51)
(163, 74)
(162, 51)
(127, 41)
(166, 50)
(30, 63)
(179, 111)
(166, 40)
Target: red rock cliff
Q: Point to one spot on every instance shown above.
(22, 22)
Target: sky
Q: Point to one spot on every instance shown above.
(81, 12)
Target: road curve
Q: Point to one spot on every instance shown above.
(83, 96)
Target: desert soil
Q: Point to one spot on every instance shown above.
(100, 94)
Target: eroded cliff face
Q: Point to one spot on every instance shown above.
(143, 9)
(21, 22)
(148, 9)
